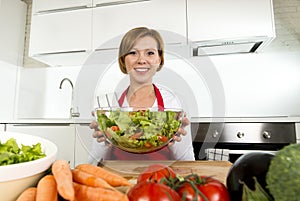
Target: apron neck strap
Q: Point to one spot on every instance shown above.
(160, 101)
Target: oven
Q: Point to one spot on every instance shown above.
(238, 138)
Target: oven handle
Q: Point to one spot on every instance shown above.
(250, 151)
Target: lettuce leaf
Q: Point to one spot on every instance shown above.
(11, 153)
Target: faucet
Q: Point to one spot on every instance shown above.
(73, 113)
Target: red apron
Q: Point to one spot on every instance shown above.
(163, 154)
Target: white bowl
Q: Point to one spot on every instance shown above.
(15, 178)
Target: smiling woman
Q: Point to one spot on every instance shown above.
(141, 55)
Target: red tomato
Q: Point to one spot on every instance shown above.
(212, 189)
(163, 138)
(155, 173)
(115, 128)
(151, 191)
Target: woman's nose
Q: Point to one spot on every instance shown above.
(141, 59)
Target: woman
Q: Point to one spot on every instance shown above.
(141, 55)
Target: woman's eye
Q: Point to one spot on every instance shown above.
(150, 53)
(132, 53)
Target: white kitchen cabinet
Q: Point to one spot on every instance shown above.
(230, 17)
(83, 143)
(62, 135)
(112, 21)
(62, 38)
(12, 34)
(2, 127)
(43, 6)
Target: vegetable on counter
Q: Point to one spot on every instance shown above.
(11, 153)
(83, 186)
(28, 194)
(202, 188)
(111, 178)
(192, 187)
(89, 193)
(64, 179)
(152, 191)
(247, 166)
(47, 189)
(156, 173)
(283, 176)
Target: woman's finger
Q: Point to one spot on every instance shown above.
(185, 121)
(97, 134)
(181, 131)
(94, 125)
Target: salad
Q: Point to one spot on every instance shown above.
(139, 131)
(11, 153)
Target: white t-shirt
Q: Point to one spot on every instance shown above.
(182, 150)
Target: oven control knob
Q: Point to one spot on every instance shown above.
(215, 134)
(266, 134)
(240, 135)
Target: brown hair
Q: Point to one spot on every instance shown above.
(129, 40)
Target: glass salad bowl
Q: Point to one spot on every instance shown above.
(141, 130)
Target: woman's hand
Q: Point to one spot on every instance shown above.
(181, 131)
(97, 133)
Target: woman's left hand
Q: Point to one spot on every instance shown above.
(181, 131)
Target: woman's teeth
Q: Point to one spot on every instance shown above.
(141, 69)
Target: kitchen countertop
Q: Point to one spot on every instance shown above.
(247, 119)
(48, 121)
(131, 169)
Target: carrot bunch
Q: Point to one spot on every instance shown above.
(86, 182)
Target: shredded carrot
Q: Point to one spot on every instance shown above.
(46, 189)
(88, 179)
(64, 180)
(88, 193)
(112, 178)
(28, 194)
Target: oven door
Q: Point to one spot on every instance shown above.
(240, 138)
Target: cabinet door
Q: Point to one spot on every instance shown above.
(61, 37)
(40, 6)
(112, 21)
(203, 16)
(12, 34)
(62, 135)
(2, 127)
(83, 143)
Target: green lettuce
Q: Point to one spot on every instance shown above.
(11, 153)
(139, 128)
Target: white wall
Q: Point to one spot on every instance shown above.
(8, 86)
(39, 93)
(246, 85)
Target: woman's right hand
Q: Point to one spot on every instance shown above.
(97, 133)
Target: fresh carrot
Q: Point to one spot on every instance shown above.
(112, 178)
(64, 180)
(88, 179)
(88, 193)
(28, 194)
(46, 189)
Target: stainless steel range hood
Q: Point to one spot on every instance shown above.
(230, 46)
(229, 26)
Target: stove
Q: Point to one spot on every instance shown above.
(239, 138)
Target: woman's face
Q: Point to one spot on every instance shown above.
(143, 60)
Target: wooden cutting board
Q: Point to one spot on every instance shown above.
(131, 169)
